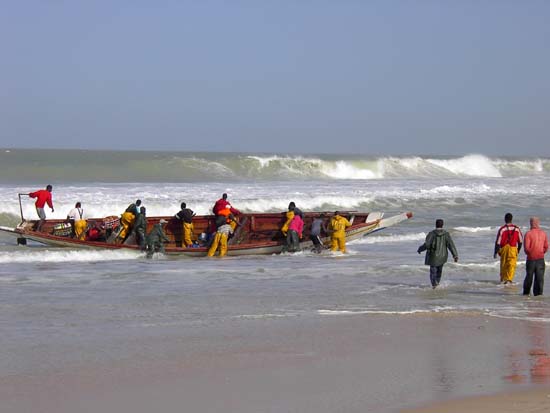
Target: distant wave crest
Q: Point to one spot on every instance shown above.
(89, 166)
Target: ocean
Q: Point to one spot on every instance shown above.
(61, 308)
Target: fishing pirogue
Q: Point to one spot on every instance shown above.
(257, 233)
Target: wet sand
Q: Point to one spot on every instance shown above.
(325, 364)
(529, 401)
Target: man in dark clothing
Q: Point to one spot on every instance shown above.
(185, 215)
(156, 238)
(315, 234)
(133, 207)
(140, 227)
(437, 243)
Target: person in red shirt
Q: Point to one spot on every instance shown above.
(536, 245)
(222, 205)
(224, 212)
(43, 197)
(508, 246)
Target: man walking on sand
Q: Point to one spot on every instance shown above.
(437, 243)
(536, 245)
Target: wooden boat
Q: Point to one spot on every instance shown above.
(257, 233)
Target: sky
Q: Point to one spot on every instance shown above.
(355, 77)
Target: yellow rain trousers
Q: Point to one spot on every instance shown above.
(221, 240)
(188, 233)
(508, 261)
(338, 243)
(127, 221)
(338, 225)
(80, 229)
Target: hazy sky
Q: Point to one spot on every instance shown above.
(372, 77)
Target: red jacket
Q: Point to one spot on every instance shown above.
(297, 225)
(222, 204)
(42, 197)
(509, 234)
(536, 244)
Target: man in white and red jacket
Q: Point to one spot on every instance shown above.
(535, 246)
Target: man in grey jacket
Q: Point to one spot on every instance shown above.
(437, 243)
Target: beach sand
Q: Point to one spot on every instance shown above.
(529, 401)
(325, 364)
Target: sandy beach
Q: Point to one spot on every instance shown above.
(529, 401)
(320, 364)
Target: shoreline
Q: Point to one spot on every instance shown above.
(533, 400)
(324, 364)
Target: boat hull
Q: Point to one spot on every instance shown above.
(258, 234)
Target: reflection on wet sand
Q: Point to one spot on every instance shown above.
(534, 366)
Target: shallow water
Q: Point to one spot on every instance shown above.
(61, 307)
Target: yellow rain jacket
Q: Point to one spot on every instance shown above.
(289, 217)
(127, 221)
(338, 225)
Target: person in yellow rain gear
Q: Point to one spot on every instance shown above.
(185, 215)
(220, 240)
(292, 210)
(289, 217)
(507, 246)
(79, 224)
(337, 227)
(127, 220)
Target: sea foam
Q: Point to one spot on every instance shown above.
(28, 255)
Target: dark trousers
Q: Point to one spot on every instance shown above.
(536, 268)
(140, 238)
(435, 274)
(317, 243)
(292, 241)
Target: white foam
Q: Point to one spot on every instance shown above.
(390, 239)
(37, 255)
(458, 190)
(470, 165)
(389, 312)
(474, 229)
(263, 316)
(345, 170)
(479, 265)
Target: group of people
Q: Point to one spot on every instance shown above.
(133, 222)
(438, 242)
(293, 228)
(508, 244)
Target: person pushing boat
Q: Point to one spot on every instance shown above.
(337, 226)
(127, 220)
(156, 238)
(220, 240)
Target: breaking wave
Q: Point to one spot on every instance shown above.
(19, 165)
